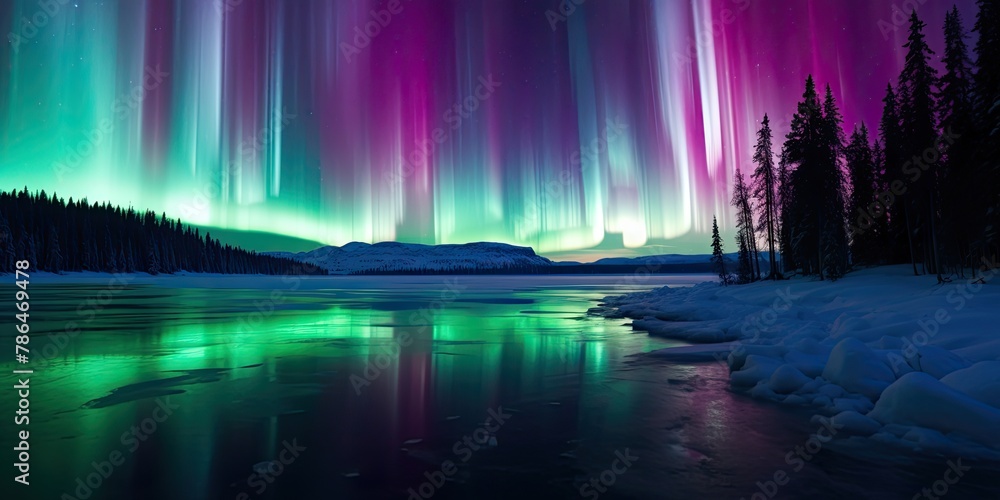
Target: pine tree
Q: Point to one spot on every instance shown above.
(7, 254)
(744, 269)
(834, 259)
(152, 259)
(955, 103)
(862, 170)
(900, 235)
(765, 191)
(804, 150)
(54, 257)
(32, 251)
(785, 215)
(718, 256)
(745, 234)
(122, 261)
(112, 262)
(986, 159)
(877, 208)
(917, 111)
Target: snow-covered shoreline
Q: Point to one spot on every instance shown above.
(889, 356)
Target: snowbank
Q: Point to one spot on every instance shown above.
(892, 357)
(918, 399)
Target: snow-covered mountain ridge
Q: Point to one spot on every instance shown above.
(358, 257)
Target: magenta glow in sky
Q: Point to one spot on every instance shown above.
(619, 122)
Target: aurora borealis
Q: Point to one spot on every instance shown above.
(532, 122)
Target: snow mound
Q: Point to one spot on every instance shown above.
(978, 381)
(855, 367)
(936, 361)
(755, 369)
(787, 379)
(810, 364)
(918, 399)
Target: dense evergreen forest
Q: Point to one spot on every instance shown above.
(922, 187)
(55, 235)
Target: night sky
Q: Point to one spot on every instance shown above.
(618, 125)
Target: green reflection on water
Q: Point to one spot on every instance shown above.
(293, 354)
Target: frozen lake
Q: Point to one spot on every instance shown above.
(346, 387)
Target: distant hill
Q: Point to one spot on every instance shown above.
(480, 258)
(405, 258)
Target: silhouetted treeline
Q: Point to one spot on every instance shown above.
(55, 235)
(923, 190)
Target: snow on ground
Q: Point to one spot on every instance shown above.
(891, 357)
